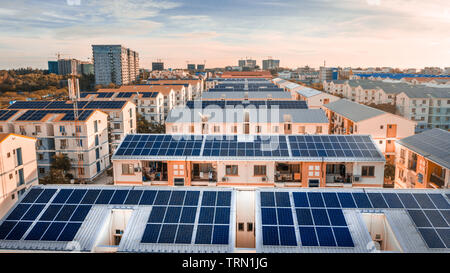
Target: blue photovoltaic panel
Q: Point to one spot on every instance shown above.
(267, 199)
(147, 198)
(206, 215)
(446, 214)
(18, 212)
(119, 197)
(90, 197)
(51, 212)
(172, 215)
(300, 199)
(304, 217)
(270, 235)
(31, 196)
(76, 197)
(343, 237)
(439, 201)
(223, 198)
(308, 236)
(222, 216)
(167, 235)
(336, 217)
(62, 196)
(204, 234)
(282, 199)
(287, 236)
(361, 199)
(45, 196)
(104, 197)
(151, 233)
(424, 201)
(220, 235)
(157, 214)
(325, 236)
(33, 212)
(268, 216)
(191, 198)
(53, 231)
(37, 231)
(331, 200)
(69, 232)
(133, 197)
(65, 213)
(431, 238)
(209, 198)
(320, 217)
(444, 233)
(184, 234)
(377, 200)
(315, 199)
(408, 200)
(346, 200)
(162, 198)
(436, 218)
(80, 213)
(392, 200)
(177, 198)
(284, 216)
(188, 215)
(6, 228)
(419, 218)
(18, 231)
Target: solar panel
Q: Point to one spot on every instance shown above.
(284, 216)
(69, 232)
(439, 201)
(157, 214)
(206, 215)
(419, 218)
(270, 235)
(343, 237)
(282, 199)
(267, 199)
(31, 196)
(424, 201)
(315, 199)
(268, 216)
(51, 212)
(222, 215)
(346, 200)
(76, 197)
(184, 234)
(377, 200)
(431, 238)
(220, 234)
(320, 217)
(361, 199)
(18, 212)
(436, 218)
(308, 236)
(331, 200)
(408, 200)
(287, 236)
(37, 231)
(62, 196)
(104, 197)
(45, 196)
(304, 217)
(151, 233)
(444, 233)
(392, 200)
(80, 213)
(204, 234)
(18, 231)
(172, 215)
(147, 198)
(325, 236)
(119, 197)
(167, 234)
(133, 197)
(188, 215)
(209, 198)
(33, 212)
(223, 198)
(300, 199)
(90, 197)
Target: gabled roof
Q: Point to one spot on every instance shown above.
(432, 144)
(352, 110)
(242, 95)
(308, 92)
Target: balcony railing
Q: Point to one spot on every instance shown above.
(204, 176)
(437, 180)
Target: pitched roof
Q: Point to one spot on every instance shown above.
(251, 95)
(433, 144)
(352, 110)
(309, 92)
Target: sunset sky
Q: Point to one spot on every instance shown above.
(396, 33)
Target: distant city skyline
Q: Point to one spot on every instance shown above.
(356, 33)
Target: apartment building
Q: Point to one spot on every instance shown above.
(115, 64)
(247, 74)
(195, 87)
(245, 120)
(121, 114)
(428, 106)
(315, 98)
(249, 160)
(423, 160)
(57, 131)
(18, 168)
(347, 117)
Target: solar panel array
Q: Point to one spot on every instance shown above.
(160, 145)
(350, 147)
(64, 105)
(99, 94)
(6, 114)
(172, 219)
(37, 115)
(268, 89)
(281, 104)
(321, 222)
(333, 146)
(45, 215)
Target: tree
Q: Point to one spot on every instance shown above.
(55, 176)
(61, 162)
(146, 127)
(389, 171)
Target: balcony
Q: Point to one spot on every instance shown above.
(204, 176)
(437, 180)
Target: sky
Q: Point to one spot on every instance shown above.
(355, 33)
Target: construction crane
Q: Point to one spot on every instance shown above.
(74, 93)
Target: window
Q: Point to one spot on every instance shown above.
(8, 155)
(79, 142)
(62, 129)
(231, 169)
(301, 129)
(259, 170)
(192, 129)
(318, 129)
(234, 129)
(116, 126)
(381, 141)
(95, 126)
(41, 170)
(22, 129)
(127, 169)
(258, 129)
(116, 137)
(80, 157)
(275, 129)
(241, 226)
(381, 127)
(368, 171)
(1, 129)
(174, 129)
(19, 160)
(131, 123)
(80, 171)
(216, 129)
(131, 112)
(63, 143)
(37, 128)
(78, 129)
(40, 156)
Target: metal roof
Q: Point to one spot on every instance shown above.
(352, 110)
(309, 92)
(249, 95)
(433, 144)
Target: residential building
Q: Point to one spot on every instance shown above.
(429, 106)
(115, 64)
(18, 168)
(53, 67)
(270, 64)
(127, 219)
(68, 67)
(347, 117)
(249, 160)
(200, 67)
(254, 117)
(84, 141)
(158, 66)
(328, 73)
(191, 67)
(195, 87)
(86, 68)
(247, 64)
(314, 98)
(423, 160)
